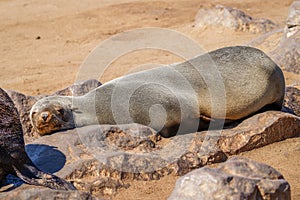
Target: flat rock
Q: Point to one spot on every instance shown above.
(238, 178)
(232, 18)
(257, 131)
(103, 159)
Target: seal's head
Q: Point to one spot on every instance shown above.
(52, 114)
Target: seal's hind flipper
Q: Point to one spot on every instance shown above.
(31, 175)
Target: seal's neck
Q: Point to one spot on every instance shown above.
(83, 109)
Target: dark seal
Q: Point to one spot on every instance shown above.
(13, 158)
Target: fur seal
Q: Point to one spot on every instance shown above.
(13, 158)
(160, 99)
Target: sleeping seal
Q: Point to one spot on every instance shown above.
(228, 84)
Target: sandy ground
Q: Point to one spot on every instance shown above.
(43, 44)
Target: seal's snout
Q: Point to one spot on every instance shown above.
(45, 116)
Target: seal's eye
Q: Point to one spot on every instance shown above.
(61, 111)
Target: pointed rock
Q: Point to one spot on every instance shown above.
(238, 178)
(232, 18)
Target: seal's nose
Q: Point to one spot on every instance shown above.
(44, 116)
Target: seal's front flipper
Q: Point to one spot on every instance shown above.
(32, 175)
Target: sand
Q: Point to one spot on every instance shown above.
(43, 44)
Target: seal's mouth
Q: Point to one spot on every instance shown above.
(49, 124)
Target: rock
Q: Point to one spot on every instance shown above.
(292, 99)
(293, 20)
(101, 159)
(26, 192)
(238, 178)
(215, 146)
(232, 18)
(260, 130)
(287, 54)
(24, 103)
(79, 89)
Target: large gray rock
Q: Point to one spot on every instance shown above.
(232, 18)
(103, 159)
(238, 178)
(24, 103)
(99, 159)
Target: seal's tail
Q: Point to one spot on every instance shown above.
(32, 175)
